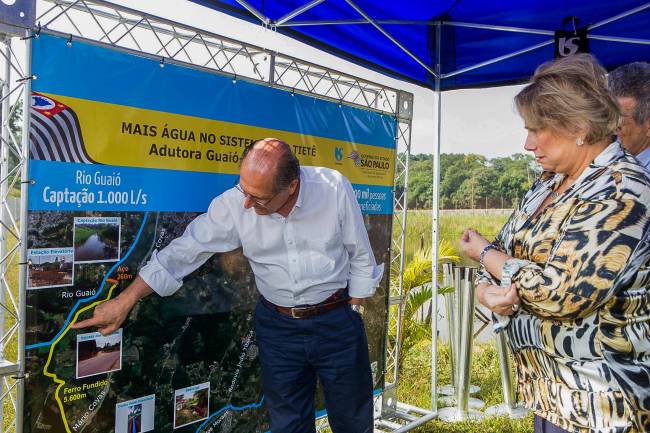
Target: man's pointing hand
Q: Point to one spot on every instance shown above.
(109, 316)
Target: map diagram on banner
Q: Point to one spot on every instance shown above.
(119, 167)
(83, 371)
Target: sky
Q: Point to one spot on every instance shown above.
(479, 121)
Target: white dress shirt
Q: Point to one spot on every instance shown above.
(321, 246)
(644, 158)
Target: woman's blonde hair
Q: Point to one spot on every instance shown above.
(570, 95)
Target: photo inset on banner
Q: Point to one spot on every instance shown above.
(191, 404)
(97, 354)
(50, 267)
(135, 416)
(96, 239)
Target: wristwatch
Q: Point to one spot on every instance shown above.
(358, 308)
(510, 267)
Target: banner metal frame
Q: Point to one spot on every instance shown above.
(14, 159)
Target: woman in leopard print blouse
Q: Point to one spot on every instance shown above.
(577, 250)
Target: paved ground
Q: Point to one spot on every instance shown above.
(101, 363)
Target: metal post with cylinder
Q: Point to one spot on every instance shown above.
(460, 298)
(460, 316)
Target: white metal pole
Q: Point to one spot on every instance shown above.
(294, 13)
(617, 39)
(22, 274)
(250, 8)
(620, 16)
(420, 421)
(499, 59)
(434, 227)
(392, 39)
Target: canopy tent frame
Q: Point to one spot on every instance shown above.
(287, 21)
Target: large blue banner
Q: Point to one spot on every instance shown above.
(124, 154)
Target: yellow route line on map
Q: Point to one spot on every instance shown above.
(54, 377)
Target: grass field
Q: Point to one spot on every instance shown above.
(452, 225)
(81, 234)
(414, 387)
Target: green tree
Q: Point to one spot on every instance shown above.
(15, 130)
(16, 120)
(421, 184)
(469, 180)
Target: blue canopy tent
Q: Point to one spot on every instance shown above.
(482, 43)
(453, 44)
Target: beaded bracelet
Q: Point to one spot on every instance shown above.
(487, 248)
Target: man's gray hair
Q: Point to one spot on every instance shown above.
(633, 81)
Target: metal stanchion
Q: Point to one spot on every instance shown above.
(451, 277)
(450, 304)
(459, 319)
(458, 313)
(465, 310)
(508, 407)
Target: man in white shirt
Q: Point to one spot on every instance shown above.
(302, 231)
(631, 85)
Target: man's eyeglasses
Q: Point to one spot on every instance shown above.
(263, 203)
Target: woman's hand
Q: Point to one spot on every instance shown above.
(472, 243)
(497, 299)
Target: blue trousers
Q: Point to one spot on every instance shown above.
(544, 426)
(332, 347)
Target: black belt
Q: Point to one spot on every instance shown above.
(338, 299)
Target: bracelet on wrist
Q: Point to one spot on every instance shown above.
(487, 248)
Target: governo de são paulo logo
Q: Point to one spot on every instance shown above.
(354, 156)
